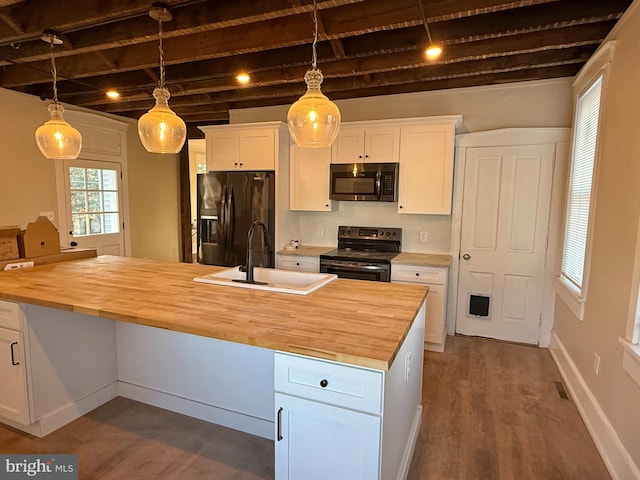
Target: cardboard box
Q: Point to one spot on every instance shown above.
(9, 243)
(38, 239)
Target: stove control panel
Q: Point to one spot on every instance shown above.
(369, 233)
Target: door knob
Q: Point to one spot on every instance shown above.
(466, 256)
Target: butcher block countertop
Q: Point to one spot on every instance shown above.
(422, 259)
(305, 251)
(349, 321)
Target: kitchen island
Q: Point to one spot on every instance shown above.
(266, 363)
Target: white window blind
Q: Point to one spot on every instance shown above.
(584, 151)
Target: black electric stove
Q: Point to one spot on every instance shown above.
(363, 253)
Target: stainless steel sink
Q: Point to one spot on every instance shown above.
(283, 281)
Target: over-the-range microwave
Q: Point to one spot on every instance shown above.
(377, 182)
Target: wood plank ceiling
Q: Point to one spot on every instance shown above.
(366, 48)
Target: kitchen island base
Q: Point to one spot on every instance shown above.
(76, 334)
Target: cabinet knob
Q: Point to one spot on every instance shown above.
(366, 156)
(241, 164)
(400, 206)
(326, 205)
(298, 264)
(235, 163)
(324, 383)
(417, 274)
(466, 256)
(359, 156)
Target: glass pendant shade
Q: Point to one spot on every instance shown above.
(56, 139)
(314, 120)
(160, 129)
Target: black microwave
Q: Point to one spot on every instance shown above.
(377, 182)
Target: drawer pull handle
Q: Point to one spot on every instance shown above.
(13, 357)
(280, 437)
(324, 383)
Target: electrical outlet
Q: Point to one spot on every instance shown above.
(596, 363)
(50, 215)
(424, 236)
(320, 232)
(13, 266)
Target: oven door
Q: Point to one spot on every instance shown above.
(357, 270)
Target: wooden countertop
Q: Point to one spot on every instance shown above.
(349, 321)
(305, 251)
(422, 259)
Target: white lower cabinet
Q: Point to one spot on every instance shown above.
(435, 331)
(315, 441)
(328, 420)
(14, 399)
(54, 366)
(302, 264)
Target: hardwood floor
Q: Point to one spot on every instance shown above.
(491, 412)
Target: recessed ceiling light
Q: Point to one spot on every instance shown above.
(113, 94)
(243, 77)
(433, 51)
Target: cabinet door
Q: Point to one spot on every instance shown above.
(382, 144)
(426, 169)
(14, 400)
(222, 151)
(257, 149)
(315, 441)
(309, 179)
(435, 315)
(349, 146)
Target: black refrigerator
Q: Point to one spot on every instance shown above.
(228, 203)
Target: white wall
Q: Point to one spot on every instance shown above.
(526, 104)
(28, 181)
(617, 213)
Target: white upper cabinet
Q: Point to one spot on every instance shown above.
(426, 166)
(249, 146)
(362, 144)
(309, 179)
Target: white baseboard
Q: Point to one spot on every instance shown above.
(618, 461)
(209, 413)
(68, 413)
(407, 456)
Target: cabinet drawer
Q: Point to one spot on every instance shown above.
(345, 386)
(303, 264)
(418, 274)
(10, 315)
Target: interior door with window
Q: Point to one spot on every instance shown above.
(505, 214)
(93, 193)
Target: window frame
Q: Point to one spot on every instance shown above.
(597, 67)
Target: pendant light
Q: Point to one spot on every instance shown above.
(160, 129)
(314, 120)
(56, 139)
(433, 50)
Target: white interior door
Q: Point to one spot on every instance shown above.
(93, 199)
(505, 215)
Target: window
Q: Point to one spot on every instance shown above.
(94, 201)
(574, 272)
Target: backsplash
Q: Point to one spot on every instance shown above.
(437, 227)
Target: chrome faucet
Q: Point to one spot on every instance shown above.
(267, 242)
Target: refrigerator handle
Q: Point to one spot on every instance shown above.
(232, 216)
(223, 214)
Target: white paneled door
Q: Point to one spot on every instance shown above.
(93, 192)
(505, 216)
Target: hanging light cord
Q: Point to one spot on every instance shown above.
(314, 61)
(424, 21)
(161, 81)
(54, 74)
